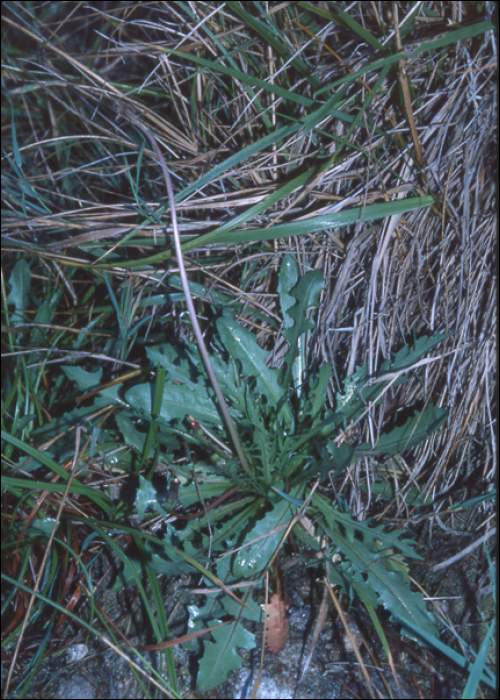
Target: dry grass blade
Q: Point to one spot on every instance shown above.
(353, 642)
(318, 626)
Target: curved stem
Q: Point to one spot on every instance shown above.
(189, 301)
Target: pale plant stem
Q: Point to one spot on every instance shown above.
(189, 301)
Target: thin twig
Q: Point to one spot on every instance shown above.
(189, 301)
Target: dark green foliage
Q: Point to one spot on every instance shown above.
(288, 437)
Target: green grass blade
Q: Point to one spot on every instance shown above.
(315, 224)
(478, 666)
(429, 46)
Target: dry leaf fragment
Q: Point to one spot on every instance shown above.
(277, 624)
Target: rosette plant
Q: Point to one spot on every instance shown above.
(230, 519)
